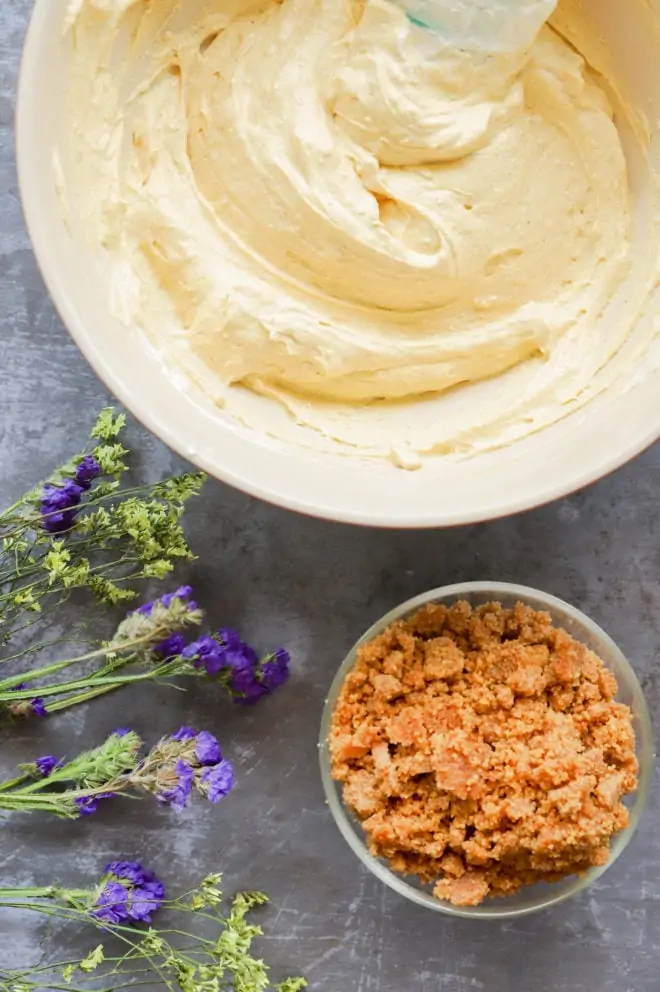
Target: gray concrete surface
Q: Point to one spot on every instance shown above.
(314, 586)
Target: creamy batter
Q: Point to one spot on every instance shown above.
(410, 251)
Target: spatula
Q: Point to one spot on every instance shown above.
(481, 25)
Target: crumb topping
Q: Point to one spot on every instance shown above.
(483, 750)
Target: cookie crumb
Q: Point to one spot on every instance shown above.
(484, 750)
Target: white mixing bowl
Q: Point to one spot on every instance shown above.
(572, 453)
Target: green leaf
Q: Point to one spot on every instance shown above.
(107, 426)
(157, 569)
(56, 562)
(108, 592)
(181, 487)
(93, 960)
(110, 458)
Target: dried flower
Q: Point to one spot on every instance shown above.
(218, 959)
(206, 652)
(183, 734)
(171, 646)
(26, 707)
(253, 681)
(155, 627)
(128, 893)
(217, 781)
(38, 706)
(275, 669)
(87, 470)
(185, 761)
(207, 749)
(81, 530)
(89, 804)
(183, 594)
(177, 795)
(59, 505)
(46, 765)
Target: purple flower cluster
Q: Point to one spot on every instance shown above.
(207, 652)
(200, 765)
(89, 804)
(249, 678)
(47, 765)
(274, 669)
(129, 894)
(88, 470)
(35, 706)
(38, 706)
(60, 504)
(171, 646)
(176, 642)
(183, 593)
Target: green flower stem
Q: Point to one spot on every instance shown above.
(31, 650)
(33, 521)
(80, 697)
(50, 586)
(94, 690)
(168, 958)
(45, 892)
(56, 802)
(38, 673)
(36, 618)
(73, 684)
(176, 667)
(12, 783)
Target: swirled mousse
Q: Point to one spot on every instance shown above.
(352, 235)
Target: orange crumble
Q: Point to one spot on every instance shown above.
(483, 750)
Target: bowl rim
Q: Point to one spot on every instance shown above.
(178, 440)
(496, 909)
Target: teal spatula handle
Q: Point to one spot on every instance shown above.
(491, 25)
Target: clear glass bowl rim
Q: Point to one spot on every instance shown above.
(495, 909)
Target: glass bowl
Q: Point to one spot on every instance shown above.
(541, 895)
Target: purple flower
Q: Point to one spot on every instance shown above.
(208, 653)
(240, 658)
(275, 669)
(88, 470)
(183, 593)
(121, 731)
(130, 894)
(38, 706)
(172, 645)
(35, 706)
(218, 781)
(252, 680)
(112, 903)
(59, 505)
(235, 646)
(132, 871)
(177, 796)
(207, 749)
(184, 734)
(245, 682)
(47, 765)
(89, 804)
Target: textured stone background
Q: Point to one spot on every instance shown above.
(315, 586)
